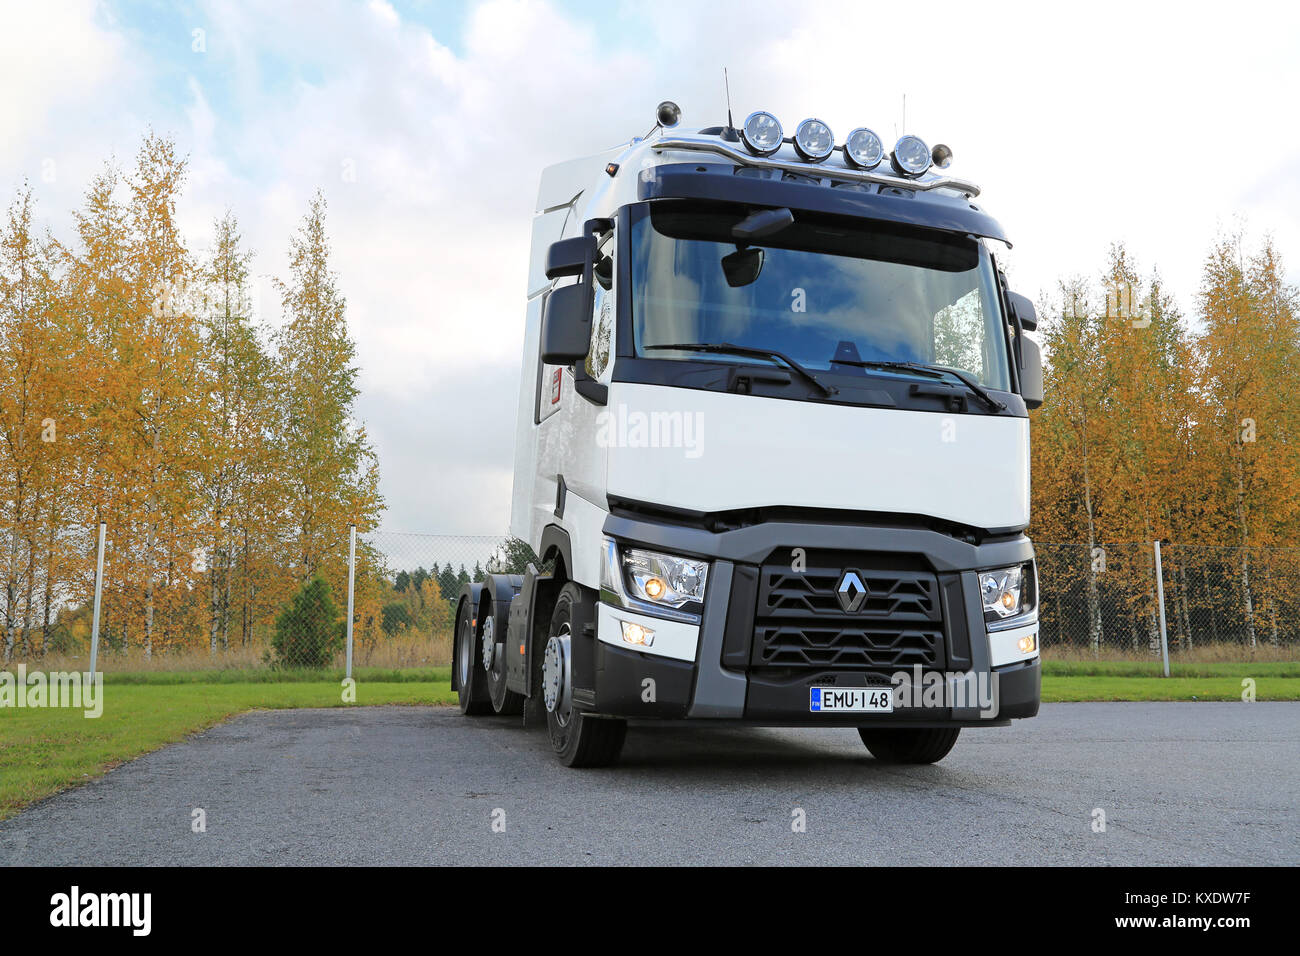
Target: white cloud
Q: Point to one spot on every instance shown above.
(1104, 122)
(51, 55)
(59, 66)
(384, 11)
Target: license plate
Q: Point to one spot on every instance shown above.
(851, 700)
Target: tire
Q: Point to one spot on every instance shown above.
(471, 681)
(909, 744)
(504, 701)
(578, 739)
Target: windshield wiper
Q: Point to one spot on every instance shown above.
(936, 371)
(725, 348)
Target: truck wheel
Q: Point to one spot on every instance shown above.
(909, 744)
(493, 653)
(471, 682)
(579, 740)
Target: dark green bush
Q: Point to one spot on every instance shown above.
(310, 630)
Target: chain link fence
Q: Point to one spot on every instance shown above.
(405, 603)
(1220, 603)
(244, 603)
(247, 604)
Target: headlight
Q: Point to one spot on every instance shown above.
(663, 578)
(762, 133)
(1008, 592)
(813, 140)
(911, 156)
(864, 149)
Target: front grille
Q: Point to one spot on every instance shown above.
(850, 648)
(899, 596)
(894, 620)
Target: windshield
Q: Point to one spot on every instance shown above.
(828, 294)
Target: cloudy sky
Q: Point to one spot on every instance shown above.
(426, 125)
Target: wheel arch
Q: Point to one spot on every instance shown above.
(556, 546)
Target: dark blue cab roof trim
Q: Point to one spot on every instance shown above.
(726, 183)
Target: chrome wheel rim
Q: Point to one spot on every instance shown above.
(556, 676)
(489, 643)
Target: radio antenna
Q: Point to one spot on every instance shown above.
(726, 82)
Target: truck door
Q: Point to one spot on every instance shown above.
(569, 442)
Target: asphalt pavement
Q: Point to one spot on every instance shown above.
(1093, 784)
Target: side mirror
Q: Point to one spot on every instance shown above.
(566, 324)
(566, 317)
(1024, 311)
(1031, 373)
(570, 257)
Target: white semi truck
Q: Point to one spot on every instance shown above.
(772, 447)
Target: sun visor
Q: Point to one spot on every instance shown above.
(763, 187)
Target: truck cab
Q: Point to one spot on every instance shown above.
(772, 448)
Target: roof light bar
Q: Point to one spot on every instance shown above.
(863, 150)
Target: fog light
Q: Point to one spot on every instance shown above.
(634, 633)
(911, 156)
(1028, 643)
(762, 133)
(863, 149)
(813, 140)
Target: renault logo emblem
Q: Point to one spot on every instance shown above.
(851, 591)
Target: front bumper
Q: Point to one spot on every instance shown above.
(724, 668)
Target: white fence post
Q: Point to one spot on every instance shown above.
(352, 576)
(1160, 600)
(99, 591)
